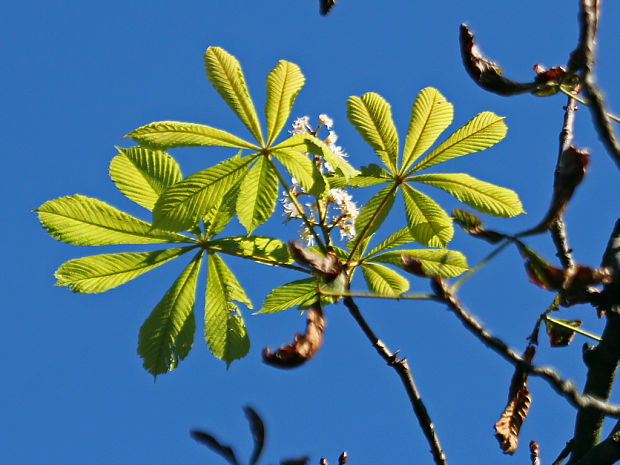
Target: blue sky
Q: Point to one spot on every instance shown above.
(77, 76)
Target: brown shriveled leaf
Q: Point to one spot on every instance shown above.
(571, 171)
(343, 458)
(534, 453)
(303, 347)
(486, 73)
(472, 225)
(549, 80)
(327, 266)
(561, 336)
(509, 424)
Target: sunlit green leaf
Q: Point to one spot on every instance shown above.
(222, 211)
(167, 335)
(98, 273)
(483, 196)
(435, 262)
(382, 280)
(224, 72)
(431, 114)
(290, 295)
(428, 222)
(143, 174)
(400, 237)
(224, 328)
(283, 84)
(301, 168)
(189, 200)
(84, 220)
(375, 211)
(372, 117)
(262, 249)
(481, 132)
(170, 134)
(258, 195)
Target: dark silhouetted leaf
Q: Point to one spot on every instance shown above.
(303, 347)
(297, 461)
(560, 335)
(258, 433)
(215, 446)
(326, 6)
(508, 426)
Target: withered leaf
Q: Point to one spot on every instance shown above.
(534, 453)
(258, 433)
(486, 73)
(473, 226)
(561, 336)
(549, 80)
(509, 424)
(303, 347)
(327, 266)
(326, 6)
(213, 444)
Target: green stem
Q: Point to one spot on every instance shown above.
(378, 296)
(572, 328)
(264, 260)
(459, 282)
(585, 102)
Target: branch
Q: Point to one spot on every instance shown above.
(602, 360)
(584, 58)
(563, 387)
(404, 372)
(605, 453)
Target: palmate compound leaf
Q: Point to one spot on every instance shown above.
(99, 273)
(431, 114)
(283, 84)
(167, 335)
(82, 220)
(428, 222)
(300, 292)
(372, 117)
(260, 249)
(483, 196)
(382, 280)
(225, 330)
(258, 194)
(143, 174)
(224, 72)
(481, 132)
(222, 210)
(188, 201)
(170, 134)
(400, 237)
(435, 262)
(301, 168)
(375, 211)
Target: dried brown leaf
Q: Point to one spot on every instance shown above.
(303, 347)
(328, 265)
(534, 453)
(561, 336)
(509, 424)
(472, 225)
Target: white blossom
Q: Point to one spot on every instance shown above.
(326, 120)
(301, 125)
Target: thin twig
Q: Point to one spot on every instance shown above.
(564, 387)
(370, 295)
(404, 372)
(606, 452)
(565, 452)
(584, 59)
(459, 282)
(585, 102)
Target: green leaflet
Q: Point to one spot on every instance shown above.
(435, 262)
(224, 72)
(84, 220)
(283, 84)
(382, 280)
(312, 144)
(188, 201)
(372, 117)
(143, 174)
(428, 222)
(400, 237)
(258, 195)
(431, 114)
(481, 132)
(167, 335)
(375, 211)
(301, 168)
(225, 331)
(222, 211)
(290, 295)
(170, 134)
(483, 196)
(99, 273)
(261, 249)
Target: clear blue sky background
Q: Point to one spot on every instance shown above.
(76, 76)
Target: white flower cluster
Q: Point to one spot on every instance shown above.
(338, 210)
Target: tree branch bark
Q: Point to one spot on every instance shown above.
(404, 372)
